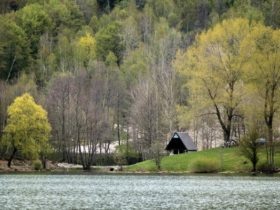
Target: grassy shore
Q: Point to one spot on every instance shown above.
(229, 160)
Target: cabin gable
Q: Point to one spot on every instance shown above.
(180, 142)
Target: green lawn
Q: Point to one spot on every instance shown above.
(230, 160)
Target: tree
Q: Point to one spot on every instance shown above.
(214, 68)
(108, 39)
(34, 21)
(156, 153)
(81, 114)
(14, 49)
(58, 106)
(130, 34)
(262, 50)
(249, 146)
(165, 44)
(244, 9)
(126, 152)
(8, 92)
(86, 49)
(63, 14)
(27, 130)
(59, 13)
(147, 115)
(65, 52)
(46, 62)
(270, 10)
(193, 14)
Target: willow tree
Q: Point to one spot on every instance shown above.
(214, 68)
(262, 51)
(27, 130)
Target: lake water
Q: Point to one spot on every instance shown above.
(138, 192)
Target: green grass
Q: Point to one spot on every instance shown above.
(230, 161)
(205, 165)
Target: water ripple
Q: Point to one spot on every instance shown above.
(138, 192)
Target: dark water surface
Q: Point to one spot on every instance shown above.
(138, 192)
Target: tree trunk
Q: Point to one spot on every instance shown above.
(86, 167)
(255, 158)
(270, 148)
(44, 161)
(254, 167)
(12, 156)
(226, 138)
(118, 120)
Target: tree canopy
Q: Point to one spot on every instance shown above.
(131, 72)
(215, 67)
(27, 129)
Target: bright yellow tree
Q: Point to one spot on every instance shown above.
(27, 130)
(86, 49)
(213, 66)
(261, 49)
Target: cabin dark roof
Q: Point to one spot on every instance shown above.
(186, 140)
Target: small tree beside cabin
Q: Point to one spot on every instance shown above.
(27, 130)
(249, 147)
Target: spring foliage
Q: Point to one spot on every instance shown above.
(249, 147)
(27, 129)
(261, 49)
(113, 61)
(215, 67)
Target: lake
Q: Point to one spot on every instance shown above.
(138, 192)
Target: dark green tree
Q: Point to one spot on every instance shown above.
(14, 49)
(108, 39)
(34, 21)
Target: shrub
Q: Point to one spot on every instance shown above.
(249, 146)
(204, 165)
(125, 154)
(37, 164)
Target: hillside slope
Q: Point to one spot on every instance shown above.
(229, 159)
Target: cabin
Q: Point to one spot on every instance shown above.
(181, 142)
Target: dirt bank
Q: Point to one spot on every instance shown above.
(24, 166)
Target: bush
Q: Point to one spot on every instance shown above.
(125, 154)
(249, 146)
(104, 160)
(37, 164)
(204, 165)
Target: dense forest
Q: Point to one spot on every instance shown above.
(131, 72)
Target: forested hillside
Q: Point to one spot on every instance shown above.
(130, 72)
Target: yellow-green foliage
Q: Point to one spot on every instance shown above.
(213, 71)
(214, 64)
(204, 165)
(87, 47)
(37, 164)
(85, 50)
(27, 128)
(261, 49)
